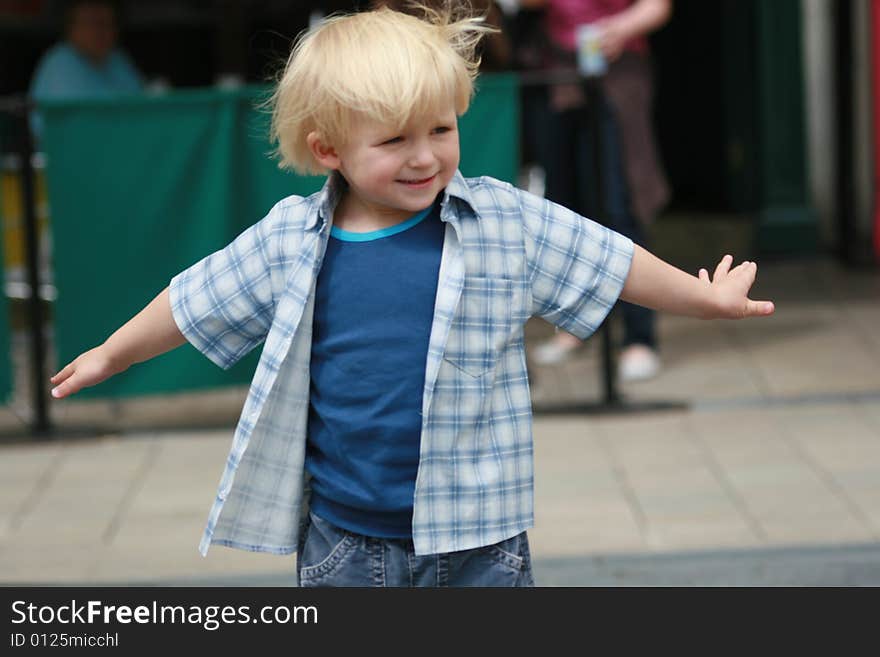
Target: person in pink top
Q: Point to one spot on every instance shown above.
(623, 23)
(560, 134)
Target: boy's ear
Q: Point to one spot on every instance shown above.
(323, 153)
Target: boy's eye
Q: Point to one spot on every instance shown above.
(441, 129)
(393, 140)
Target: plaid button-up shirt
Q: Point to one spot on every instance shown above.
(507, 255)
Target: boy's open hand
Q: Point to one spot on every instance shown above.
(88, 369)
(730, 289)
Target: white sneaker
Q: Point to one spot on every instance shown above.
(638, 362)
(556, 349)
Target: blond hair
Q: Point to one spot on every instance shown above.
(384, 65)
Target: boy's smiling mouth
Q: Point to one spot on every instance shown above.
(419, 182)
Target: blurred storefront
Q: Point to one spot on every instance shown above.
(767, 111)
(767, 114)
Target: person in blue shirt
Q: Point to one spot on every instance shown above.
(387, 433)
(87, 63)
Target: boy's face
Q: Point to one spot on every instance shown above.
(397, 173)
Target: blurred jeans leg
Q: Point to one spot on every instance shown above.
(638, 321)
(563, 145)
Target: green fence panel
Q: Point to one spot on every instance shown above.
(489, 132)
(142, 187)
(6, 375)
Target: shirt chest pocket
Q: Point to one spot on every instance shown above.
(483, 324)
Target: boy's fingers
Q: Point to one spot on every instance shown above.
(63, 374)
(68, 386)
(759, 308)
(723, 266)
(63, 390)
(704, 276)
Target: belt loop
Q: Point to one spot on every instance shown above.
(410, 563)
(376, 550)
(443, 569)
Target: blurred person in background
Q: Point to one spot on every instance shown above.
(87, 63)
(560, 130)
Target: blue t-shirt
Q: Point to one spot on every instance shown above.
(374, 306)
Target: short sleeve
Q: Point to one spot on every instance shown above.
(576, 267)
(224, 303)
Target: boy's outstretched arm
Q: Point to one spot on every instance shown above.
(150, 333)
(656, 284)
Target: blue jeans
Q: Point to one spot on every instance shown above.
(331, 556)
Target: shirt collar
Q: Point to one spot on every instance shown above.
(327, 200)
(458, 188)
(335, 185)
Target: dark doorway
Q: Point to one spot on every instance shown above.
(689, 107)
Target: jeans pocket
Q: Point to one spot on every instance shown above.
(508, 553)
(326, 548)
(501, 564)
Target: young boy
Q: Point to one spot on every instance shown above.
(392, 382)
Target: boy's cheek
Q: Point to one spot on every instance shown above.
(455, 155)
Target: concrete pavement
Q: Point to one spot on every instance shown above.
(769, 475)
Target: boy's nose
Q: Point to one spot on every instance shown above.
(422, 155)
